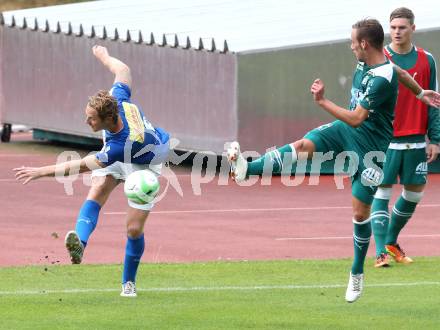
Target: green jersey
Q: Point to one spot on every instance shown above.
(375, 89)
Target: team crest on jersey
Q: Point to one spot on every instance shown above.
(422, 168)
(371, 177)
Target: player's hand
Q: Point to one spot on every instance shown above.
(431, 98)
(432, 152)
(27, 174)
(317, 89)
(100, 52)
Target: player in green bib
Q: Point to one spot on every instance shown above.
(408, 154)
(365, 130)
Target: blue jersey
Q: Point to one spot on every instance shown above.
(138, 142)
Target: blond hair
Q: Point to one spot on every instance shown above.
(105, 105)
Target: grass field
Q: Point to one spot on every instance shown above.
(299, 294)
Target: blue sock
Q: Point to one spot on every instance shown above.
(133, 253)
(87, 220)
(361, 240)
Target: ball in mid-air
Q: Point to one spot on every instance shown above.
(141, 186)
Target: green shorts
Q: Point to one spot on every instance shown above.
(337, 137)
(408, 164)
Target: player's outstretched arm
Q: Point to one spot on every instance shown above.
(353, 118)
(86, 164)
(117, 67)
(429, 97)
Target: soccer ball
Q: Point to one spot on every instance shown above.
(141, 187)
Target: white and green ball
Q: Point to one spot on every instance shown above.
(141, 187)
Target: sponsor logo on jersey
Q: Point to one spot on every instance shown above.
(422, 168)
(135, 121)
(371, 177)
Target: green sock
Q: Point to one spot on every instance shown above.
(402, 212)
(380, 219)
(274, 162)
(361, 240)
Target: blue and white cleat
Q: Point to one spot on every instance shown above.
(239, 165)
(129, 289)
(74, 247)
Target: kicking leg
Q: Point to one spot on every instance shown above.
(271, 162)
(76, 240)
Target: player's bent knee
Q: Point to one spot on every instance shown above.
(359, 217)
(304, 145)
(361, 211)
(135, 224)
(98, 195)
(134, 231)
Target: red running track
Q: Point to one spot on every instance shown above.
(225, 222)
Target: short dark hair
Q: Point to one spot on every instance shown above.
(105, 105)
(369, 29)
(403, 12)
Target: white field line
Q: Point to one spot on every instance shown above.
(317, 208)
(216, 288)
(347, 237)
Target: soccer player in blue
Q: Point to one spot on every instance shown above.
(131, 143)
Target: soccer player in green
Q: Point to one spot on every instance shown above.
(407, 155)
(366, 129)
